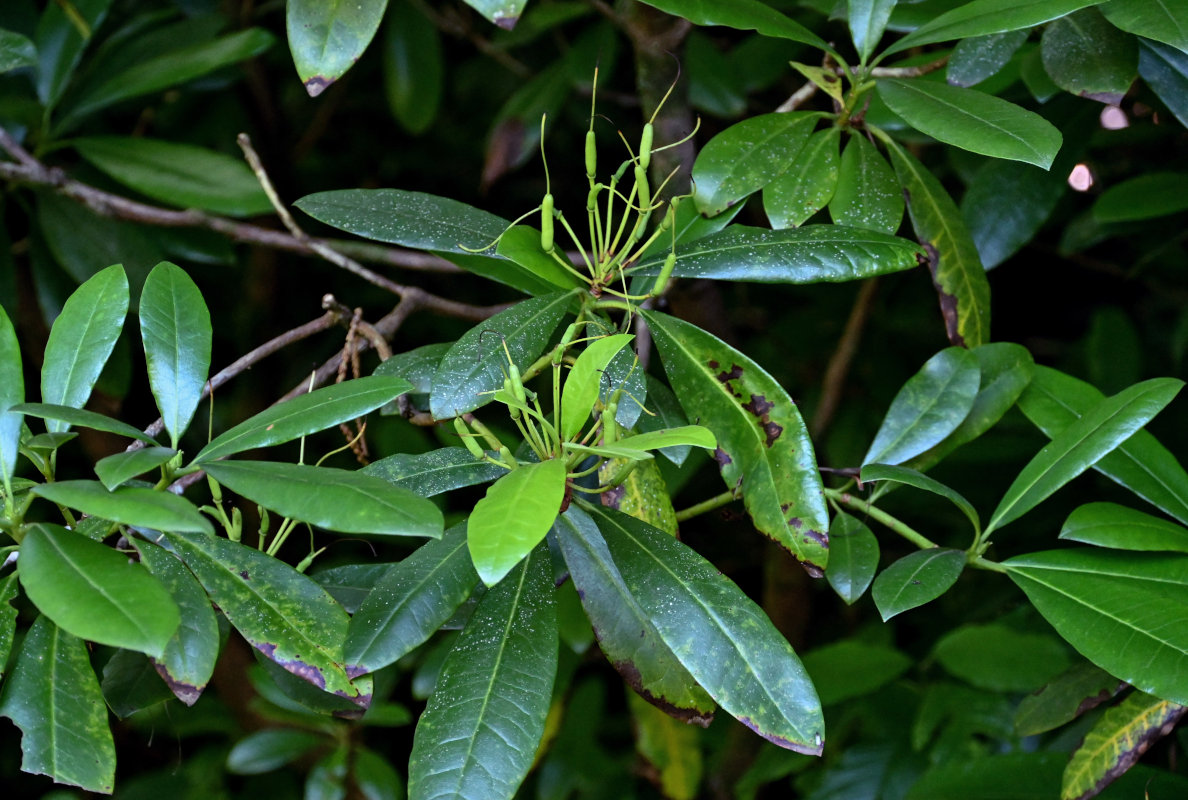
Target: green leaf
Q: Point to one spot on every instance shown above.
(334, 499)
(723, 639)
(1054, 401)
(745, 15)
(128, 505)
(520, 244)
(813, 254)
(1102, 428)
(181, 175)
(624, 372)
(281, 613)
(476, 364)
(1065, 698)
(746, 157)
(269, 749)
(16, 51)
(1111, 525)
(928, 408)
(410, 602)
(1086, 55)
(305, 414)
(327, 780)
(123, 466)
(1126, 612)
(979, 57)
(60, 45)
(1155, 19)
(1116, 742)
(87, 419)
(867, 20)
(982, 17)
(432, 473)
(514, 516)
(1165, 70)
(1019, 776)
(81, 340)
(8, 618)
(375, 778)
(1155, 194)
(853, 557)
(1001, 659)
(972, 120)
(806, 186)
(623, 626)
(867, 194)
(666, 412)
(669, 747)
(916, 579)
(504, 13)
(694, 435)
(852, 668)
(417, 366)
(480, 730)
(130, 684)
(585, 382)
(957, 273)
(190, 656)
(175, 328)
(413, 67)
(95, 593)
(326, 39)
(12, 392)
(1006, 204)
(763, 445)
(53, 696)
(910, 477)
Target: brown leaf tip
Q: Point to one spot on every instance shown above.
(317, 84)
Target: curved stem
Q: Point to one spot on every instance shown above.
(874, 512)
(706, 505)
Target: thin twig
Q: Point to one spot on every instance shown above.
(909, 72)
(798, 98)
(843, 356)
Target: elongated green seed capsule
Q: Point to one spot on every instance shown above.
(592, 197)
(642, 186)
(610, 428)
(517, 384)
(546, 223)
(669, 217)
(645, 145)
(506, 456)
(467, 439)
(591, 155)
(665, 274)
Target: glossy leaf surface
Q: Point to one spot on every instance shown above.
(128, 505)
(916, 579)
(867, 195)
(910, 477)
(1086, 55)
(1006, 204)
(982, 17)
(514, 516)
(520, 245)
(326, 39)
(12, 392)
(16, 51)
(8, 617)
(435, 472)
(853, 557)
(763, 445)
(1160, 20)
(60, 45)
(120, 467)
(977, 58)
(746, 15)
(666, 412)
(806, 186)
(1165, 70)
(868, 20)
(585, 384)
(87, 419)
(1112, 525)
(1065, 698)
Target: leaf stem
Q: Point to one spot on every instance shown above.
(706, 505)
(889, 521)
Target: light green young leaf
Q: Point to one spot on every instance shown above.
(910, 477)
(585, 382)
(853, 557)
(746, 15)
(665, 412)
(1082, 444)
(12, 392)
(1112, 525)
(694, 435)
(127, 464)
(806, 186)
(514, 516)
(982, 17)
(87, 419)
(916, 579)
(1086, 55)
(94, 592)
(326, 39)
(1160, 20)
(504, 13)
(128, 505)
(520, 245)
(868, 195)
(81, 340)
(54, 698)
(868, 20)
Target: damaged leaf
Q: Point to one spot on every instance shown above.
(327, 38)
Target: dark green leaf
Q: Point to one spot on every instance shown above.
(1111, 525)
(87, 419)
(584, 383)
(721, 637)
(1082, 444)
(410, 602)
(327, 779)
(413, 67)
(868, 20)
(806, 186)
(282, 613)
(1065, 698)
(972, 120)
(1019, 776)
(520, 245)
(477, 363)
(81, 340)
(8, 618)
(175, 328)
(294, 693)
(125, 465)
(350, 584)
(128, 505)
(326, 39)
(375, 778)
(483, 724)
(178, 174)
(514, 516)
(12, 392)
(977, 58)
(1001, 659)
(1006, 204)
(437, 471)
(81, 241)
(504, 13)
(623, 626)
(853, 557)
(867, 194)
(910, 477)
(666, 412)
(130, 683)
(624, 372)
(1165, 70)
(306, 414)
(1155, 194)
(746, 15)
(851, 668)
(928, 408)
(334, 499)
(982, 17)
(1126, 612)
(916, 579)
(957, 273)
(16, 51)
(266, 750)
(763, 445)
(746, 157)
(60, 45)
(1086, 55)
(94, 592)
(1160, 20)
(53, 697)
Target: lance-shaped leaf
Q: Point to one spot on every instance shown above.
(853, 557)
(1165, 70)
(1155, 194)
(12, 392)
(482, 726)
(973, 120)
(721, 637)
(763, 446)
(916, 579)
(476, 364)
(1126, 612)
(94, 592)
(686, 435)
(504, 13)
(910, 477)
(665, 412)
(130, 683)
(54, 698)
(813, 254)
(119, 467)
(1154, 19)
(1001, 659)
(270, 749)
(979, 57)
(1102, 428)
(623, 625)
(982, 17)
(867, 194)
(190, 655)
(306, 414)
(281, 612)
(1112, 525)
(335, 499)
(414, 67)
(16, 51)
(8, 617)
(128, 505)
(175, 327)
(326, 39)
(957, 272)
(670, 747)
(1055, 400)
(429, 474)
(868, 20)
(60, 45)
(744, 15)
(1086, 55)
(81, 340)
(410, 602)
(851, 668)
(585, 382)
(746, 157)
(928, 408)
(1068, 696)
(514, 516)
(806, 186)
(80, 416)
